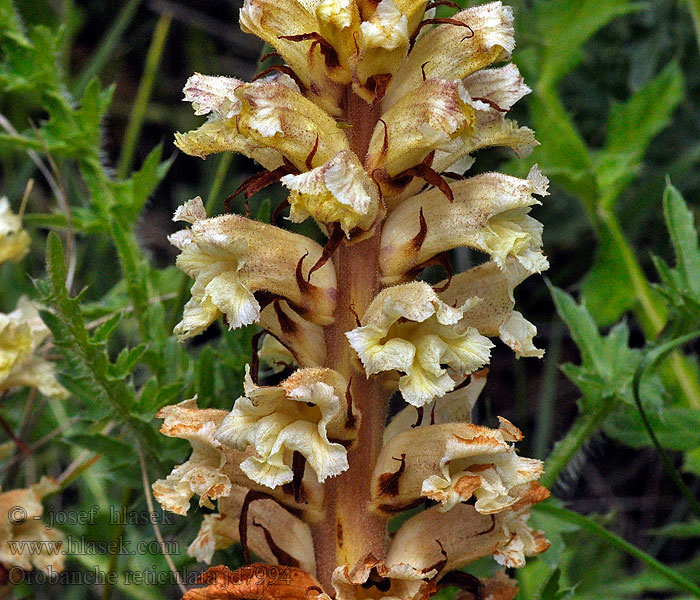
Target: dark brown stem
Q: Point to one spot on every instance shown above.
(348, 530)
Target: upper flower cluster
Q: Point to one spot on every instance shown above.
(370, 123)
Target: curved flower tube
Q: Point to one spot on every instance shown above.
(231, 257)
(489, 213)
(450, 463)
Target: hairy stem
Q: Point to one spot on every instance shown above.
(348, 530)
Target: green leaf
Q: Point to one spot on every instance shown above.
(562, 153)
(607, 287)
(607, 362)
(565, 26)
(126, 362)
(553, 591)
(676, 428)
(632, 125)
(104, 331)
(684, 236)
(678, 530)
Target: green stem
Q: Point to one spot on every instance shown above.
(599, 531)
(652, 359)
(651, 313)
(138, 111)
(583, 428)
(106, 49)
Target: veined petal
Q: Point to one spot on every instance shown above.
(339, 24)
(454, 407)
(231, 257)
(215, 96)
(450, 463)
(495, 314)
(265, 518)
(285, 25)
(303, 338)
(451, 52)
(503, 86)
(298, 415)
(464, 536)
(489, 213)
(278, 117)
(408, 328)
(521, 540)
(426, 119)
(338, 191)
(14, 241)
(202, 474)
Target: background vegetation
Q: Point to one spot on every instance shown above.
(89, 99)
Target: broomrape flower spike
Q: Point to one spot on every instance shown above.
(370, 125)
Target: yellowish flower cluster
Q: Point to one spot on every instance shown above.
(370, 121)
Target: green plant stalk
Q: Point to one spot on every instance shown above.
(599, 531)
(584, 427)
(652, 359)
(103, 53)
(651, 314)
(143, 94)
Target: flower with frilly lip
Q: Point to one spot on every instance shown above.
(298, 415)
(22, 332)
(407, 328)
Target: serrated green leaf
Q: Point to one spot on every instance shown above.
(105, 331)
(684, 236)
(126, 362)
(676, 428)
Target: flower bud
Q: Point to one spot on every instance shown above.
(301, 337)
(265, 519)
